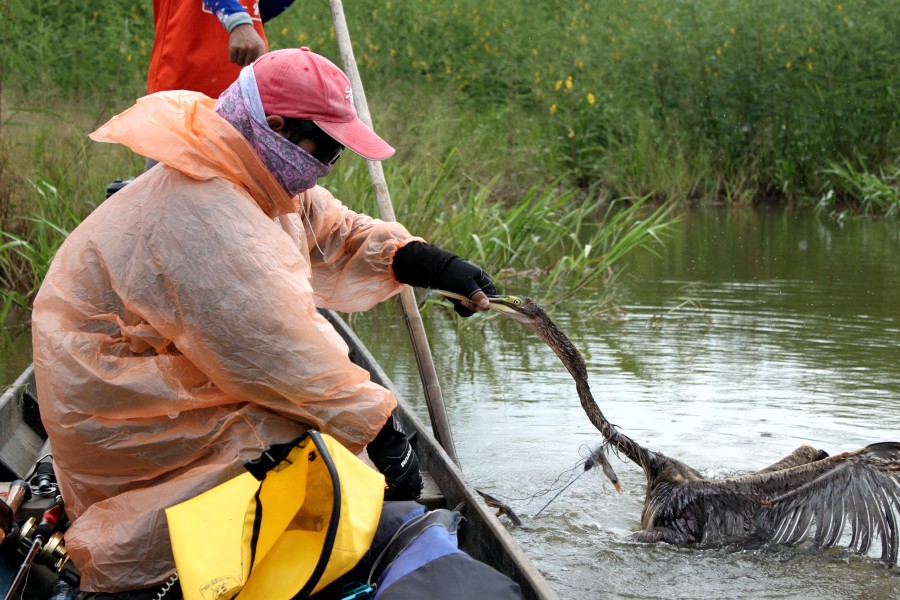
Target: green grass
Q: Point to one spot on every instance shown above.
(517, 127)
(695, 100)
(851, 187)
(692, 101)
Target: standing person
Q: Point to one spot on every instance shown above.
(201, 45)
(176, 333)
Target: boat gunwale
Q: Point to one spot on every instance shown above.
(483, 525)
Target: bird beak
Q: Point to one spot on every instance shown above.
(503, 304)
(447, 294)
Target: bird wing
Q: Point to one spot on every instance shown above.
(861, 488)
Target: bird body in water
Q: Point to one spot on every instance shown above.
(781, 504)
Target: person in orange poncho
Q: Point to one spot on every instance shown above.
(176, 333)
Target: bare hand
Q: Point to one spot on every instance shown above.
(245, 45)
(478, 303)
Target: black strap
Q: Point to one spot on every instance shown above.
(271, 458)
(331, 534)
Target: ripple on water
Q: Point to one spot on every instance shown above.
(734, 353)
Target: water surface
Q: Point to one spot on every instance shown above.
(750, 334)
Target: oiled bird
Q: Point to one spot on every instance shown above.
(807, 492)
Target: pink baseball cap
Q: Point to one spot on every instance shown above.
(304, 85)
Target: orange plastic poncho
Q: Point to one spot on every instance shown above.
(176, 333)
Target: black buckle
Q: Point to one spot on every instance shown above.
(271, 457)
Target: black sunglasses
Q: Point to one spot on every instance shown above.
(328, 149)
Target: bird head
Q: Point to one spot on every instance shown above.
(520, 309)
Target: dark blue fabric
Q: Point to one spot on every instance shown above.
(415, 556)
(453, 577)
(433, 543)
(393, 517)
(267, 8)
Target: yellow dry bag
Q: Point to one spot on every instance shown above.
(303, 515)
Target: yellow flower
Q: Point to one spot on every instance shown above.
(558, 84)
(302, 37)
(534, 52)
(787, 65)
(571, 132)
(128, 58)
(552, 109)
(731, 30)
(840, 7)
(718, 52)
(392, 52)
(284, 31)
(809, 66)
(569, 83)
(590, 98)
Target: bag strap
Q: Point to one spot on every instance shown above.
(274, 455)
(270, 458)
(333, 522)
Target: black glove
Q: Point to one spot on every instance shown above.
(426, 265)
(394, 457)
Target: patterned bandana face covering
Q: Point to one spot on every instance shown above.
(294, 168)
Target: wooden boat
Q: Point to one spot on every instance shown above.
(483, 536)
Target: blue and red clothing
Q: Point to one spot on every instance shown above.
(190, 45)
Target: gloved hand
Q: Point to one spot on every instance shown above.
(395, 459)
(426, 265)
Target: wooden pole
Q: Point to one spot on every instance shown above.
(440, 424)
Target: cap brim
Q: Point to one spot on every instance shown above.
(356, 136)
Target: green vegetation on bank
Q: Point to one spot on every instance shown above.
(731, 100)
(516, 124)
